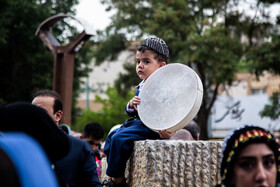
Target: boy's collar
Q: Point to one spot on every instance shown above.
(140, 84)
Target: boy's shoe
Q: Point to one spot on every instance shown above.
(111, 183)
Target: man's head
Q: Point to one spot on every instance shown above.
(93, 134)
(194, 129)
(182, 134)
(152, 54)
(51, 102)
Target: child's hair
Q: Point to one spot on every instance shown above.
(157, 46)
(93, 129)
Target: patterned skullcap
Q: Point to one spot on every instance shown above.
(157, 44)
(239, 138)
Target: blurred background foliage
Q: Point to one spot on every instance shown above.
(215, 38)
(111, 114)
(26, 64)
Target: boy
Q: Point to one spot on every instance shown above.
(93, 133)
(152, 54)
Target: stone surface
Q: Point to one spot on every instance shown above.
(161, 163)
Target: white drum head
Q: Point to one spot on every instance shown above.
(170, 98)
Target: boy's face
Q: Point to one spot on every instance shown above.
(146, 64)
(94, 143)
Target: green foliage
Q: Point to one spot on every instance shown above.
(26, 64)
(193, 34)
(109, 48)
(205, 35)
(82, 69)
(24, 60)
(111, 114)
(126, 80)
(272, 110)
(266, 56)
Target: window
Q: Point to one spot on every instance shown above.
(258, 91)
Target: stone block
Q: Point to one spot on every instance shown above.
(159, 163)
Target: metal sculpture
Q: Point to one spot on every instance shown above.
(63, 71)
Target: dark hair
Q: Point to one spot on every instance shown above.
(93, 130)
(237, 140)
(8, 173)
(34, 121)
(159, 57)
(65, 128)
(194, 129)
(50, 93)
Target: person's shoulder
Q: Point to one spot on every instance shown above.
(76, 140)
(80, 144)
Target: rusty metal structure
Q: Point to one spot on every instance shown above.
(63, 71)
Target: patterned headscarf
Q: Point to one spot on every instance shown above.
(236, 140)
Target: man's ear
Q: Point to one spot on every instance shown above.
(58, 115)
(82, 137)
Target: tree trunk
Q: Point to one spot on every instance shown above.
(202, 121)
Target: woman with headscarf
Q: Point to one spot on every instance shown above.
(250, 158)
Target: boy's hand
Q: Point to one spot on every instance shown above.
(165, 134)
(134, 102)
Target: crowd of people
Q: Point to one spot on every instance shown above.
(250, 154)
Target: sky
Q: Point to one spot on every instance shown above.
(93, 12)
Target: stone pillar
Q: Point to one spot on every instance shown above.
(161, 163)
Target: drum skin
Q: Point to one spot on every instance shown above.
(170, 98)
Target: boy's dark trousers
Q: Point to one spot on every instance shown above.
(119, 145)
